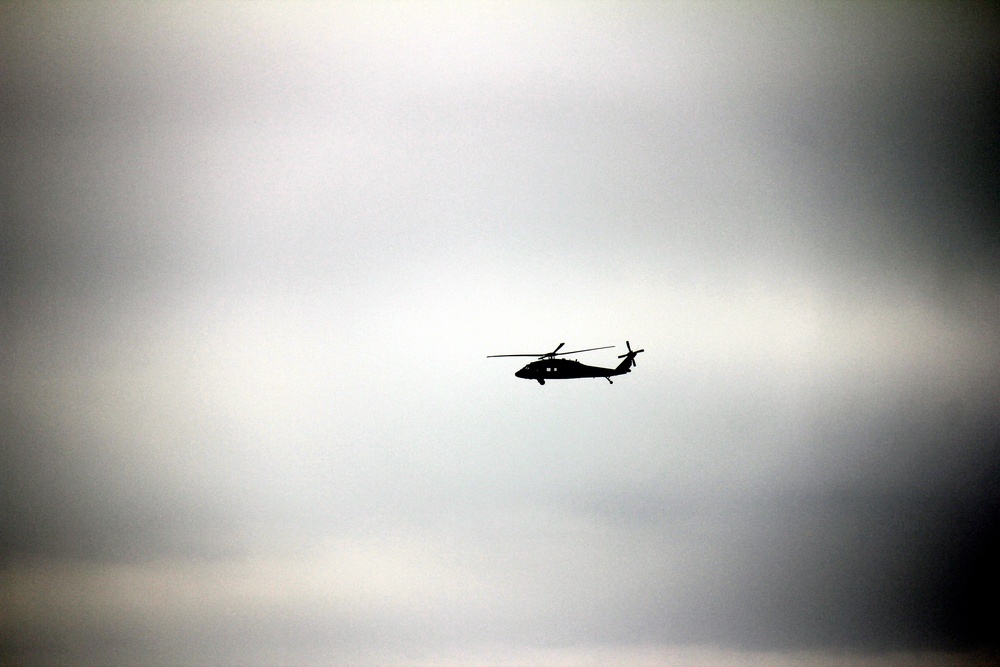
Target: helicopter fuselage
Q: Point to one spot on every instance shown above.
(564, 369)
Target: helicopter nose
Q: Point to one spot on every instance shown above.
(519, 374)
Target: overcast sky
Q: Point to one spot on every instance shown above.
(254, 256)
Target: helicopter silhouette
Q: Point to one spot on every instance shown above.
(548, 367)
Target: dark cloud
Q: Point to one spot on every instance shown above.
(910, 152)
(70, 500)
(891, 558)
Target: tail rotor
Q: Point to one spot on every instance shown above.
(630, 354)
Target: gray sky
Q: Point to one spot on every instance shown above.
(254, 257)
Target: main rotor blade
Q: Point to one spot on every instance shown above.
(549, 355)
(587, 350)
(544, 355)
(537, 356)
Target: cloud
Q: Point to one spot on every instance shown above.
(258, 256)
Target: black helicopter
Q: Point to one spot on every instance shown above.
(548, 367)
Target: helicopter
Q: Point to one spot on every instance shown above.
(548, 367)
